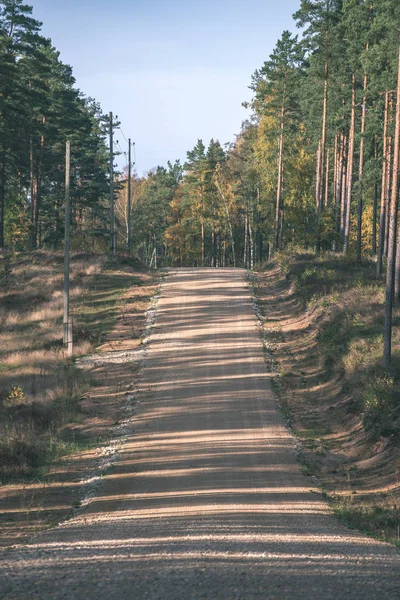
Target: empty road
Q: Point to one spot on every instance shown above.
(206, 499)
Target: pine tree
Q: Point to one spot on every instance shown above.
(277, 86)
(323, 40)
(18, 38)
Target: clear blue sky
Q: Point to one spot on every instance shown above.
(172, 70)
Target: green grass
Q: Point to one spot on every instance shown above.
(345, 305)
(311, 434)
(379, 522)
(349, 301)
(97, 308)
(34, 431)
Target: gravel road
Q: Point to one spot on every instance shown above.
(206, 500)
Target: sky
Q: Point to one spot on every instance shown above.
(173, 71)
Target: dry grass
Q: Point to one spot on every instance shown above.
(343, 406)
(40, 388)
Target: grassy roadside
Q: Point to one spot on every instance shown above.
(41, 390)
(326, 317)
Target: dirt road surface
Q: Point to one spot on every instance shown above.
(206, 500)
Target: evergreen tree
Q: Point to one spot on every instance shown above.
(277, 87)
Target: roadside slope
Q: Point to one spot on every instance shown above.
(56, 420)
(323, 319)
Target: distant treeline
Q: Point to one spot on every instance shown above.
(313, 166)
(316, 165)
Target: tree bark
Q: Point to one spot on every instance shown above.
(213, 260)
(388, 178)
(336, 171)
(350, 160)
(396, 294)
(202, 242)
(318, 187)
(246, 228)
(318, 177)
(229, 224)
(39, 188)
(251, 243)
(387, 348)
(320, 190)
(279, 200)
(342, 188)
(259, 234)
(32, 191)
(375, 204)
(336, 159)
(280, 243)
(202, 232)
(361, 172)
(326, 200)
(2, 194)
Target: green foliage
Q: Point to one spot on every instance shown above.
(178, 211)
(14, 397)
(40, 109)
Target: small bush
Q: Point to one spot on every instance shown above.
(22, 450)
(377, 403)
(15, 397)
(5, 272)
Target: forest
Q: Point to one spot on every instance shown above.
(315, 166)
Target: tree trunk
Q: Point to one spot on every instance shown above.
(321, 188)
(361, 172)
(342, 188)
(2, 194)
(279, 200)
(318, 177)
(336, 162)
(336, 171)
(387, 350)
(229, 224)
(202, 233)
(251, 244)
(39, 188)
(396, 294)
(246, 228)
(32, 191)
(388, 178)
(327, 167)
(388, 174)
(280, 243)
(259, 234)
(350, 160)
(180, 248)
(375, 204)
(213, 259)
(202, 243)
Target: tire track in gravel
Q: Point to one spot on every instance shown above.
(206, 499)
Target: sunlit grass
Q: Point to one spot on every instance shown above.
(32, 357)
(380, 522)
(349, 301)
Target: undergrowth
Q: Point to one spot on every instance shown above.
(343, 406)
(380, 522)
(40, 389)
(349, 301)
